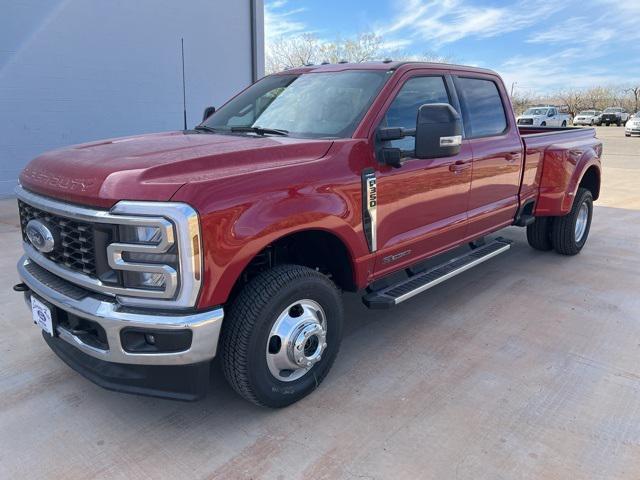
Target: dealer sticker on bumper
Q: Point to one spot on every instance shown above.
(41, 315)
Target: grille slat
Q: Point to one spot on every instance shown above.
(75, 245)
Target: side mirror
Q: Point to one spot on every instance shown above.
(550, 114)
(438, 131)
(208, 112)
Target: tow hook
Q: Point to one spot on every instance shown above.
(20, 287)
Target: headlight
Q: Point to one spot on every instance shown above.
(157, 253)
(153, 268)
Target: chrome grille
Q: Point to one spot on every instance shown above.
(75, 243)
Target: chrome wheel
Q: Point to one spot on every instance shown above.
(581, 222)
(297, 340)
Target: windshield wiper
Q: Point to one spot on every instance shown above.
(261, 131)
(205, 128)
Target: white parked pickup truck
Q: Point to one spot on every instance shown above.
(544, 117)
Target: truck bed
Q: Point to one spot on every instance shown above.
(553, 157)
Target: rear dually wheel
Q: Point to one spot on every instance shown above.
(569, 233)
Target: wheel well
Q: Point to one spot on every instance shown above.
(315, 249)
(591, 181)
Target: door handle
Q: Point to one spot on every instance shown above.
(512, 156)
(459, 166)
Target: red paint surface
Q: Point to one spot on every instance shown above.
(251, 191)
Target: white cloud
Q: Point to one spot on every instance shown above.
(280, 21)
(445, 21)
(609, 21)
(568, 68)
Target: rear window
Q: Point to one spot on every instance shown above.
(483, 109)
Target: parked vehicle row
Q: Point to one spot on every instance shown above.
(550, 116)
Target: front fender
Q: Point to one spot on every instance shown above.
(234, 236)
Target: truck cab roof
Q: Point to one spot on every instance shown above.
(386, 65)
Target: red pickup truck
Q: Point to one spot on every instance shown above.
(147, 256)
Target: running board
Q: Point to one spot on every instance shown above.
(418, 283)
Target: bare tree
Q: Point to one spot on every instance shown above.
(520, 101)
(363, 48)
(572, 99)
(597, 98)
(635, 91)
(308, 49)
(424, 57)
(291, 52)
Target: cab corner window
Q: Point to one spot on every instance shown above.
(403, 112)
(484, 111)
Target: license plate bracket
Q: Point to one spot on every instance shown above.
(43, 314)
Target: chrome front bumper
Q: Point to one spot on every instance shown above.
(205, 326)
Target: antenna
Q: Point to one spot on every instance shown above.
(184, 88)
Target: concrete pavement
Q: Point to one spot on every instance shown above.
(524, 367)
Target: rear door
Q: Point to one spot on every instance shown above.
(497, 153)
(422, 206)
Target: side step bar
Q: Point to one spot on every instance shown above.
(418, 283)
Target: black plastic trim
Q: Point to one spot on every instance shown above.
(175, 382)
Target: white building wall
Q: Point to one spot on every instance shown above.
(78, 70)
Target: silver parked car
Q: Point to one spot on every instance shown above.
(633, 125)
(588, 117)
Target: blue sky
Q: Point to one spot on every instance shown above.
(542, 45)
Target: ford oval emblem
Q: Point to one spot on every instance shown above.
(40, 236)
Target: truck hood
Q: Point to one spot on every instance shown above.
(153, 167)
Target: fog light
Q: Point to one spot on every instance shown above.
(138, 340)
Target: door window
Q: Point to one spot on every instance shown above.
(483, 108)
(403, 112)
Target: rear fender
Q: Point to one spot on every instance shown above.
(563, 170)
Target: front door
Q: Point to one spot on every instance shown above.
(421, 206)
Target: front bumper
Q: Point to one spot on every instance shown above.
(96, 361)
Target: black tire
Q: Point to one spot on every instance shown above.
(591, 123)
(543, 124)
(539, 234)
(607, 124)
(248, 325)
(564, 123)
(563, 235)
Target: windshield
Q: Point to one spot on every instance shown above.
(312, 105)
(587, 112)
(612, 110)
(536, 111)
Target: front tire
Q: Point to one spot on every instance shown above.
(569, 232)
(282, 335)
(543, 124)
(564, 123)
